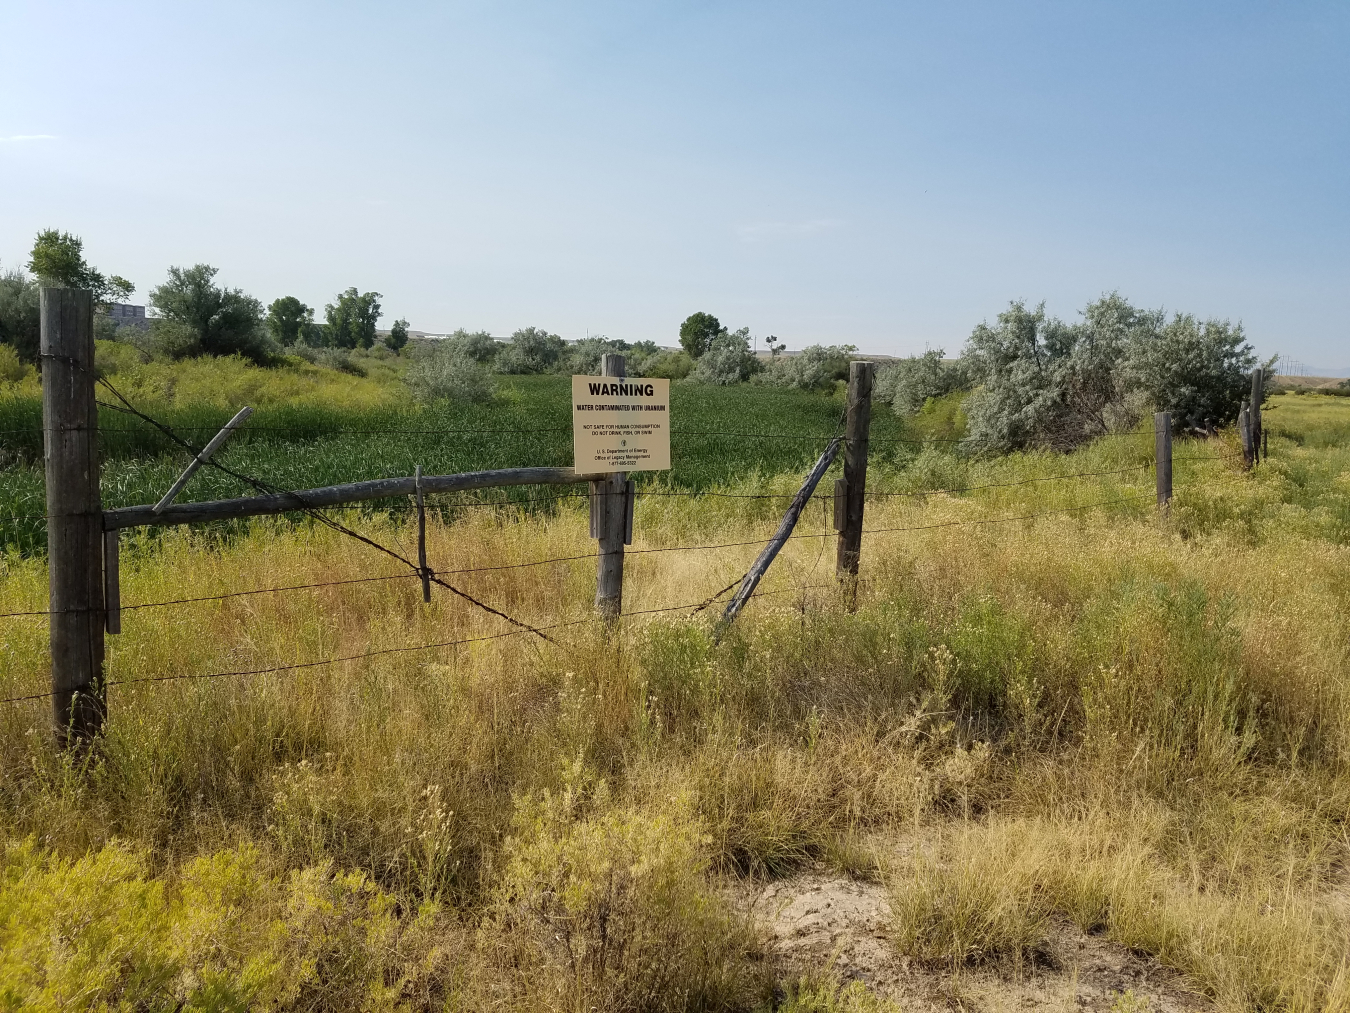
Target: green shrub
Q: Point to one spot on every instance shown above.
(1046, 383)
(613, 910)
(816, 367)
(532, 350)
(98, 932)
(824, 993)
(447, 373)
(670, 365)
(12, 368)
(19, 319)
(908, 385)
(728, 360)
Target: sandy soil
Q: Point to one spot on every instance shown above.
(814, 919)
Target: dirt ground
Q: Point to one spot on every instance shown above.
(823, 918)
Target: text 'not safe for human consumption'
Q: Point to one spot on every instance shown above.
(620, 424)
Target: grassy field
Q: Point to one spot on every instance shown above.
(315, 427)
(1139, 723)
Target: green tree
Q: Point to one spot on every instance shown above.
(352, 319)
(698, 332)
(397, 336)
(58, 260)
(223, 321)
(19, 316)
(119, 289)
(289, 320)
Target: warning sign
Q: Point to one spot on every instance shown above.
(620, 424)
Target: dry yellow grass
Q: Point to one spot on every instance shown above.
(1136, 721)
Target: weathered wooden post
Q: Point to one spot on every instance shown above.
(857, 423)
(609, 521)
(1258, 397)
(422, 567)
(74, 514)
(1245, 432)
(1162, 455)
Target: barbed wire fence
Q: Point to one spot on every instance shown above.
(79, 691)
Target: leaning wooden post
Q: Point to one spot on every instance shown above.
(766, 556)
(1162, 455)
(1258, 396)
(857, 423)
(609, 521)
(1245, 432)
(74, 514)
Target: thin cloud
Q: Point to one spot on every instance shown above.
(761, 231)
(20, 138)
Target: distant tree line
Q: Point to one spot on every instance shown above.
(193, 314)
(1028, 380)
(459, 367)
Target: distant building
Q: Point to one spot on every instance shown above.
(127, 315)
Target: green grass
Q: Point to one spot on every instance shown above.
(719, 435)
(1134, 720)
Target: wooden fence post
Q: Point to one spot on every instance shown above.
(1258, 396)
(857, 423)
(609, 521)
(1162, 455)
(112, 581)
(1245, 432)
(74, 514)
(422, 538)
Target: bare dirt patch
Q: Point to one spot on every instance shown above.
(823, 919)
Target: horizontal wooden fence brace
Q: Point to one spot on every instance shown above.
(336, 495)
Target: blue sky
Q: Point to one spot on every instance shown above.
(882, 174)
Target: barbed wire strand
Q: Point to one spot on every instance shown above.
(589, 555)
(316, 514)
(401, 650)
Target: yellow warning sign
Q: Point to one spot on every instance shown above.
(620, 424)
